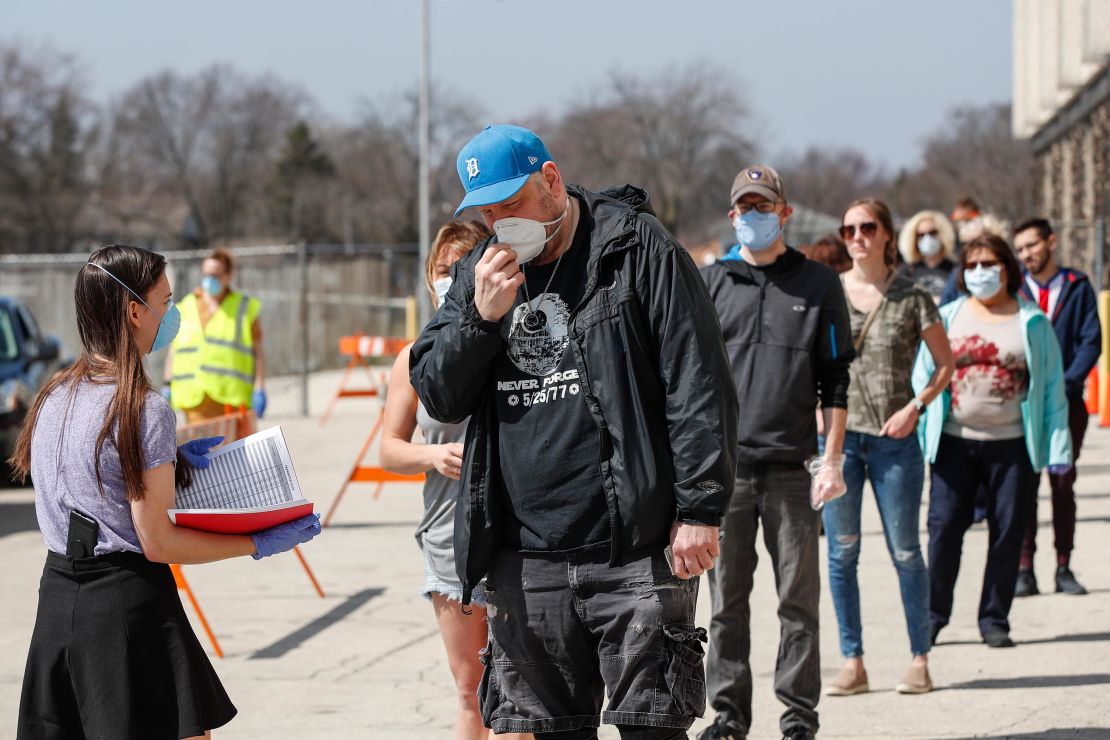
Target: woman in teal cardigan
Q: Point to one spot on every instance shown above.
(1003, 419)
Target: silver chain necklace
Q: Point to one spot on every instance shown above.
(536, 320)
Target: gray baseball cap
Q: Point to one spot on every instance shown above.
(760, 179)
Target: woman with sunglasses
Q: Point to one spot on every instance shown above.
(891, 316)
(1002, 420)
(927, 243)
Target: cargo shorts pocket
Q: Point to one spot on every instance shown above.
(683, 668)
(489, 693)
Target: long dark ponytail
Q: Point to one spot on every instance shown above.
(110, 354)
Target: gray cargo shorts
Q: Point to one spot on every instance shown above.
(566, 627)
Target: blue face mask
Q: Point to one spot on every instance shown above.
(211, 285)
(757, 231)
(983, 282)
(167, 327)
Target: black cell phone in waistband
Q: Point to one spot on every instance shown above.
(81, 540)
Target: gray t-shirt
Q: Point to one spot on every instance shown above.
(64, 471)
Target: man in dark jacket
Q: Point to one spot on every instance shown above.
(600, 452)
(1068, 300)
(787, 332)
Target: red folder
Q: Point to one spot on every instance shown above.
(240, 521)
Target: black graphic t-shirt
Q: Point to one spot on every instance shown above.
(549, 443)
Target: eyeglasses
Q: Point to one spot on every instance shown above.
(985, 264)
(866, 229)
(766, 206)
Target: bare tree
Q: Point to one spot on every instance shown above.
(47, 129)
(680, 135)
(827, 179)
(974, 154)
(212, 140)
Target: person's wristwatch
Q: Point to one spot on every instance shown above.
(917, 404)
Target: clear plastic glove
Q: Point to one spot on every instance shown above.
(286, 536)
(827, 483)
(1059, 469)
(258, 402)
(195, 451)
(166, 394)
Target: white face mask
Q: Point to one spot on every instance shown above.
(525, 236)
(441, 286)
(928, 245)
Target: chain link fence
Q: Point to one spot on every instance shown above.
(311, 296)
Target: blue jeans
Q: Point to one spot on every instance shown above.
(897, 473)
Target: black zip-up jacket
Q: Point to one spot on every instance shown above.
(648, 347)
(789, 340)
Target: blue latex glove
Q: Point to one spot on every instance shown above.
(258, 402)
(195, 450)
(286, 536)
(1059, 469)
(166, 392)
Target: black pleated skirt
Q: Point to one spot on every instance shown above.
(113, 656)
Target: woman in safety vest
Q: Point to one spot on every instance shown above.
(216, 360)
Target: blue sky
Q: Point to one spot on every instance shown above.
(874, 75)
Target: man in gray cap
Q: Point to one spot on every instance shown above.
(599, 456)
(786, 327)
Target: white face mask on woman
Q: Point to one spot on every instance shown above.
(928, 245)
(441, 286)
(983, 282)
(527, 237)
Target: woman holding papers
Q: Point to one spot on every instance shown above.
(440, 456)
(113, 654)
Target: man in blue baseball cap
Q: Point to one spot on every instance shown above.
(583, 346)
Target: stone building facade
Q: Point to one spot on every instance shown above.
(1062, 104)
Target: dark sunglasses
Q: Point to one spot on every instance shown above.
(985, 264)
(934, 232)
(867, 229)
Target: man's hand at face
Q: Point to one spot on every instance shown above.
(497, 277)
(695, 547)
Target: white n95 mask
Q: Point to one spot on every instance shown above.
(526, 237)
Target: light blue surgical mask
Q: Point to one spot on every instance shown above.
(441, 286)
(211, 285)
(757, 231)
(168, 326)
(983, 282)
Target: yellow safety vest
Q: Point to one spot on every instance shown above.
(218, 359)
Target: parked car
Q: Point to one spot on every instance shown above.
(28, 359)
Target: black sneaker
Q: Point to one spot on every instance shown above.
(998, 639)
(1066, 583)
(1027, 583)
(799, 733)
(721, 729)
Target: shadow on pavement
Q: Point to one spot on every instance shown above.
(17, 517)
(318, 625)
(370, 525)
(1078, 637)
(1035, 682)
(1068, 733)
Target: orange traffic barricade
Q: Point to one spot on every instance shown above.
(360, 347)
(1092, 391)
(234, 424)
(183, 585)
(370, 474)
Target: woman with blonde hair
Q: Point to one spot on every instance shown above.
(927, 243)
(439, 456)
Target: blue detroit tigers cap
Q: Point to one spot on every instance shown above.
(495, 164)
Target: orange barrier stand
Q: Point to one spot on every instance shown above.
(183, 585)
(1091, 395)
(359, 347)
(370, 474)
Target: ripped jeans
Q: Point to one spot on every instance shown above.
(897, 473)
(565, 628)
